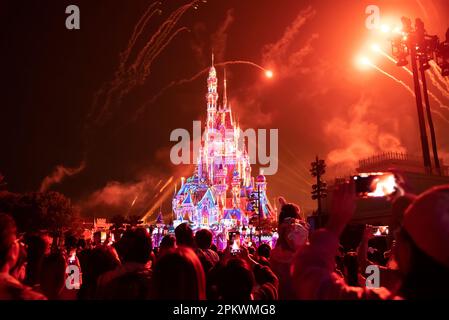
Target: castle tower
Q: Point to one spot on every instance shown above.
(218, 193)
(212, 96)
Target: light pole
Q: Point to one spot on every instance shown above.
(319, 190)
(433, 137)
(422, 48)
(411, 45)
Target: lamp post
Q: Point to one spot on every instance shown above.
(422, 48)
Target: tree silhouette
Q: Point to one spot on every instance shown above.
(35, 211)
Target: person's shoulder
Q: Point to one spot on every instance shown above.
(267, 291)
(30, 294)
(381, 293)
(18, 291)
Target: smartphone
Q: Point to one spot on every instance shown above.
(103, 237)
(379, 231)
(234, 242)
(372, 185)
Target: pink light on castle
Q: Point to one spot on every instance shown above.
(218, 194)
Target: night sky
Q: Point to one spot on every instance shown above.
(320, 101)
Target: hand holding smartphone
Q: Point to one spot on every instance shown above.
(234, 242)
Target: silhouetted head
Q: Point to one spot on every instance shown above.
(168, 242)
(236, 281)
(9, 248)
(136, 246)
(288, 210)
(184, 235)
(99, 261)
(351, 268)
(97, 238)
(264, 250)
(53, 275)
(178, 275)
(38, 245)
(422, 246)
(203, 239)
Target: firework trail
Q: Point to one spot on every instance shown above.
(166, 184)
(138, 29)
(394, 78)
(130, 74)
(432, 77)
(193, 78)
(442, 106)
(157, 184)
(147, 67)
(443, 91)
(108, 89)
(386, 55)
(413, 93)
(157, 204)
(437, 70)
(134, 201)
(160, 37)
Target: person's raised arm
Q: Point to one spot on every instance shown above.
(342, 208)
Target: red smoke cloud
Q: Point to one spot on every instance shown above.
(356, 137)
(58, 174)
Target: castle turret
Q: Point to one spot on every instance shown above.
(212, 95)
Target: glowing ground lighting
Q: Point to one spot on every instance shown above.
(269, 74)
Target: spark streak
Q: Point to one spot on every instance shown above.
(431, 76)
(413, 93)
(435, 82)
(394, 78)
(166, 184)
(134, 201)
(130, 74)
(437, 70)
(379, 50)
(195, 77)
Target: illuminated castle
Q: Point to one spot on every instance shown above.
(218, 194)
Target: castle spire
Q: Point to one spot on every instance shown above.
(212, 95)
(225, 94)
